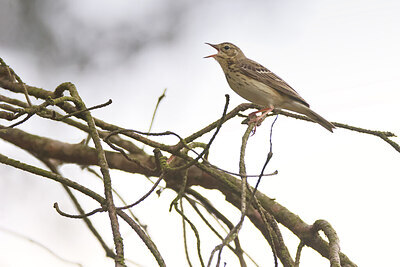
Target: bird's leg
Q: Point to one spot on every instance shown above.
(253, 118)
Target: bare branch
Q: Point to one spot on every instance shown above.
(196, 233)
(243, 207)
(381, 134)
(298, 254)
(161, 97)
(180, 172)
(119, 260)
(334, 247)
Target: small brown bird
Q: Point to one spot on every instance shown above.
(259, 85)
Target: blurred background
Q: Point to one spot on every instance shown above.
(341, 56)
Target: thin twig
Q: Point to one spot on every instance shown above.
(184, 235)
(238, 251)
(268, 157)
(182, 189)
(16, 77)
(161, 97)
(233, 113)
(384, 135)
(80, 216)
(268, 227)
(56, 177)
(205, 150)
(87, 109)
(171, 150)
(145, 195)
(120, 198)
(196, 233)
(123, 153)
(22, 121)
(15, 234)
(210, 208)
(298, 254)
(145, 238)
(53, 167)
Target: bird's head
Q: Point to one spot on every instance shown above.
(226, 51)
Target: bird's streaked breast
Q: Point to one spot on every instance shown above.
(252, 90)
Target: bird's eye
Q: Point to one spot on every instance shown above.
(226, 47)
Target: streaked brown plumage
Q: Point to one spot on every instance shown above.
(259, 85)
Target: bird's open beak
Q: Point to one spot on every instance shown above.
(215, 46)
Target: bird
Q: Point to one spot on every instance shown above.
(259, 85)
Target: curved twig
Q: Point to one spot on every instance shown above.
(161, 97)
(22, 121)
(80, 216)
(145, 195)
(184, 235)
(87, 109)
(270, 154)
(333, 238)
(196, 233)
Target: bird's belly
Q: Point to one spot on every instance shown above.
(256, 92)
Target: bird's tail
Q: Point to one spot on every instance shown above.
(302, 109)
(318, 119)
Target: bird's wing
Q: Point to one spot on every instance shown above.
(260, 73)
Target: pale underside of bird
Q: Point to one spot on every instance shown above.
(257, 84)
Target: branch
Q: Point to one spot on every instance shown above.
(213, 211)
(243, 202)
(381, 134)
(56, 177)
(119, 247)
(200, 174)
(73, 153)
(334, 247)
